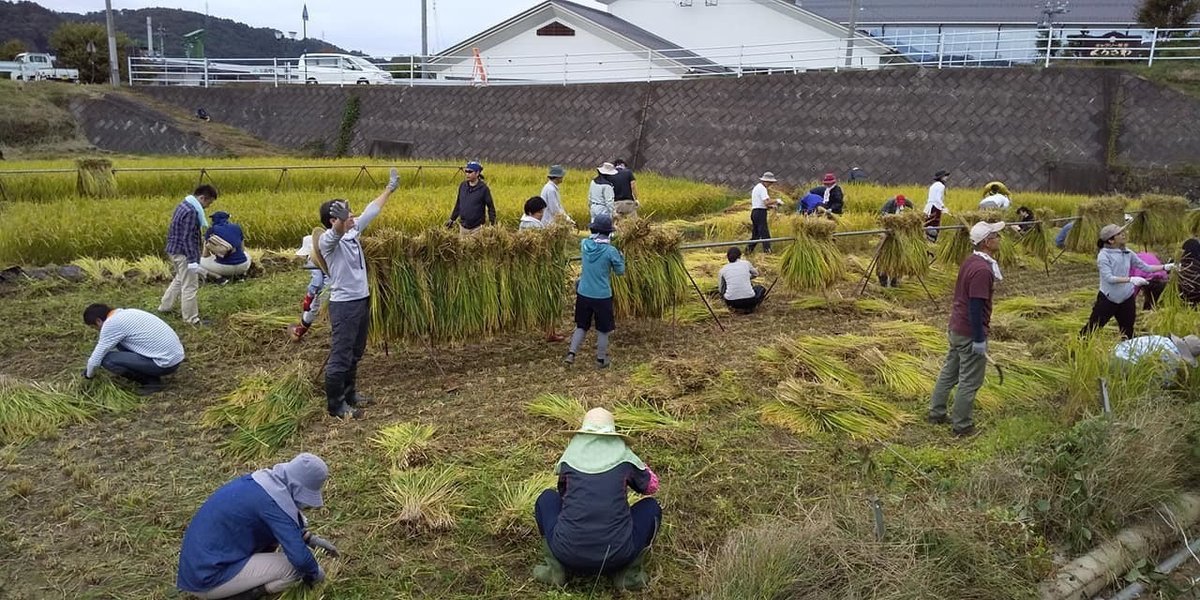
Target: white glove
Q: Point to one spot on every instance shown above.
(195, 268)
(1169, 267)
(1138, 281)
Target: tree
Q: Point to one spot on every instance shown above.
(10, 49)
(1168, 14)
(70, 42)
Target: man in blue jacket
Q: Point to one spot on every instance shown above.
(234, 262)
(229, 548)
(593, 293)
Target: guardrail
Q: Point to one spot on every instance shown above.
(897, 48)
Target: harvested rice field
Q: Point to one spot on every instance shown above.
(794, 457)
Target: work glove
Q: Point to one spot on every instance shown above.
(316, 541)
(979, 348)
(1169, 267)
(339, 210)
(449, 224)
(194, 268)
(1138, 281)
(393, 180)
(318, 578)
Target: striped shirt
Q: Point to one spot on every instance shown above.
(139, 332)
(183, 235)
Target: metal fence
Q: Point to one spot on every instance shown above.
(999, 47)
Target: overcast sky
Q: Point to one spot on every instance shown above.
(377, 27)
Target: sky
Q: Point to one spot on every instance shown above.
(377, 27)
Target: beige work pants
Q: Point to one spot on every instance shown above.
(269, 569)
(183, 289)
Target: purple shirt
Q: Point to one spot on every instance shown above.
(183, 235)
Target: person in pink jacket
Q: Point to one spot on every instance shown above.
(1157, 280)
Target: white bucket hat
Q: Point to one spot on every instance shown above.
(1188, 347)
(306, 247)
(768, 177)
(607, 169)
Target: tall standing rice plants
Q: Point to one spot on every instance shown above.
(813, 262)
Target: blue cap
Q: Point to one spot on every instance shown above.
(602, 223)
(474, 166)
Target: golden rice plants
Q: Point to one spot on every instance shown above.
(1193, 222)
(30, 409)
(901, 374)
(512, 504)
(807, 408)
(805, 358)
(404, 443)
(94, 178)
(92, 268)
(655, 278)
(812, 262)
(426, 498)
(261, 319)
(1090, 359)
(1093, 215)
(906, 334)
(265, 411)
(903, 251)
(1161, 222)
(642, 417)
(153, 268)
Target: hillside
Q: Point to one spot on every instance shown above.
(33, 24)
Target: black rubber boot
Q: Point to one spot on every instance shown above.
(351, 395)
(335, 392)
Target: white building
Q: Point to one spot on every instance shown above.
(560, 41)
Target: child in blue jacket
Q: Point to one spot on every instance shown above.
(593, 293)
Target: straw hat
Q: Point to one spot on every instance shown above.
(599, 421)
(1189, 348)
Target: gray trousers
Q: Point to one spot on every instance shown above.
(965, 370)
(349, 322)
(269, 569)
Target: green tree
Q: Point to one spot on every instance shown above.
(70, 42)
(10, 49)
(1168, 14)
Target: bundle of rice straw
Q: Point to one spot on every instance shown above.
(1036, 239)
(812, 262)
(1093, 215)
(94, 178)
(654, 279)
(902, 252)
(1161, 223)
(954, 246)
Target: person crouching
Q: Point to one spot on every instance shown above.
(229, 548)
(734, 283)
(587, 526)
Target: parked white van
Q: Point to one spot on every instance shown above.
(340, 69)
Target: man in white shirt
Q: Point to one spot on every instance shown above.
(935, 204)
(133, 344)
(760, 202)
(550, 194)
(735, 285)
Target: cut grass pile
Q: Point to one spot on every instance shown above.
(805, 408)
(30, 409)
(655, 279)
(265, 411)
(405, 444)
(100, 270)
(426, 498)
(813, 261)
(632, 417)
(441, 287)
(134, 223)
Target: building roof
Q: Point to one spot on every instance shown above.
(606, 22)
(1026, 12)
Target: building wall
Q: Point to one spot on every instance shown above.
(796, 44)
(1032, 128)
(584, 56)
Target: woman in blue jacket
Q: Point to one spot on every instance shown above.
(229, 548)
(593, 292)
(234, 262)
(587, 526)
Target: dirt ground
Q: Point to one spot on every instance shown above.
(98, 510)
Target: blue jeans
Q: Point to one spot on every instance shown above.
(646, 515)
(134, 366)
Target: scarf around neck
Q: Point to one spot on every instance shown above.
(991, 261)
(594, 454)
(274, 482)
(196, 206)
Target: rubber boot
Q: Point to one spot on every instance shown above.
(633, 576)
(550, 572)
(351, 395)
(335, 392)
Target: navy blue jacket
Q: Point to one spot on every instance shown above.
(232, 233)
(239, 520)
(595, 527)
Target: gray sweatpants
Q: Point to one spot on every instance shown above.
(269, 569)
(963, 369)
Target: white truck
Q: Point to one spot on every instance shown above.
(339, 69)
(36, 66)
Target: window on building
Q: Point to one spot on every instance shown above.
(556, 29)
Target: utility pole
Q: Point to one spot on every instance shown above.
(304, 42)
(114, 68)
(424, 39)
(852, 26)
(149, 37)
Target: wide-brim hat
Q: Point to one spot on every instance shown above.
(1188, 347)
(598, 421)
(607, 169)
(557, 171)
(306, 246)
(1111, 231)
(768, 177)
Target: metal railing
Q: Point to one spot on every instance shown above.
(898, 48)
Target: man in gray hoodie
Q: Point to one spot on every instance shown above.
(349, 298)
